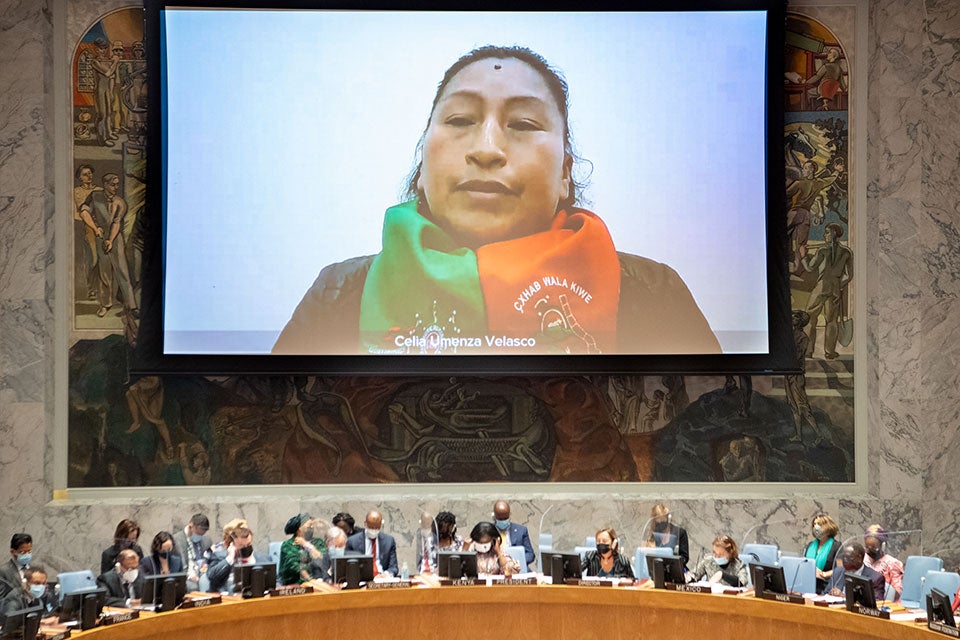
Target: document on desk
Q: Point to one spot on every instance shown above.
(907, 616)
(827, 599)
(716, 587)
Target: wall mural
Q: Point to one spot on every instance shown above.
(200, 430)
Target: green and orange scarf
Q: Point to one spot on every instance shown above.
(552, 292)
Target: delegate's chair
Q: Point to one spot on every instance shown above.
(764, 553)
(945, 581)
(640, 559)
(800, 574)
(518, 553)
(914, 569)
(76, 581)
(590, 542)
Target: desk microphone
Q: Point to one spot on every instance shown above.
(796, 573)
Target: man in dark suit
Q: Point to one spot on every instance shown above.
(515, 535)
(190, 544)
(32, 594)
(372, 542)
(124, 585)
(853, 563)
(11, 572)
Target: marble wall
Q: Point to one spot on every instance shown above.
(912, 326)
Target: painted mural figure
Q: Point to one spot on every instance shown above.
(795, 386)
(834, 265)
(829, 80)
(741, 463)
(103, 212)
(145, 401)
(84, 175)
(105, 65)
(804, 193)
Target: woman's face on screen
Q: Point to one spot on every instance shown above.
(494, 166)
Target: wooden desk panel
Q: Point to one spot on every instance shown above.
(521, 612)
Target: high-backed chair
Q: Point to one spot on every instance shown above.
(944, 581)
(800, 574)
(275, 553)
(914, 570)
(76, 581)
(764, 553)
(590, 542)
(518, 553)
(640, 559)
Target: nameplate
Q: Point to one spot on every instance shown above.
(782, 597)
(688, 588)
(518, 581)
(588, 583)
(402, 584)
(114, 618)
(873, 613)
(297, 590)
(194, 603)
(55, 635)
(953, 632)
(463, 582)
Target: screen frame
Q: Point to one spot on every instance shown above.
(148, 357)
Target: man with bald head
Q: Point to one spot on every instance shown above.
(511, 533)
(124, 584)
(853, 554)
(373, 542)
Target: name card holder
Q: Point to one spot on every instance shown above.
(296, 590)
(576, 582)
(873, 613)
(463, 582)
(783, 597)
(518, 581)
(114, 618)
(206, 601)
(402, 584)
(687, 588)
(953, 632)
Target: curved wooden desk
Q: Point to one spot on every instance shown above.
(522, 612)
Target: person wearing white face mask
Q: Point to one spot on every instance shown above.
(12, 572)
(124, 585)
(33, 593)
(373, 542)
(491, 559)
(724, 566)
(823, 548)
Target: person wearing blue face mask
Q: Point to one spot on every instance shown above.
(724, 566)
(12, 572)
(33, 593)
(191, 544)
(511, 533)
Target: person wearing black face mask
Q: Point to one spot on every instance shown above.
(877, 558)
(235, 550)
(606, 561)
(301, 555)
(664, 533)
(162, 559)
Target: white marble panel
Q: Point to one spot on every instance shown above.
(940, 350)
(22, 366)
(943, 24)
(898, 29)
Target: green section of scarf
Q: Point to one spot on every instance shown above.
(821, 554)
(420, 278)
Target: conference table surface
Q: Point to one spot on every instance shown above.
(507, 611)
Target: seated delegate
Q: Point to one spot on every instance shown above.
(491, 559)
(724, 566)
(162, 559)
(606, 561)
(124, 584)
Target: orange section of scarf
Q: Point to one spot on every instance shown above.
(561, 286)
